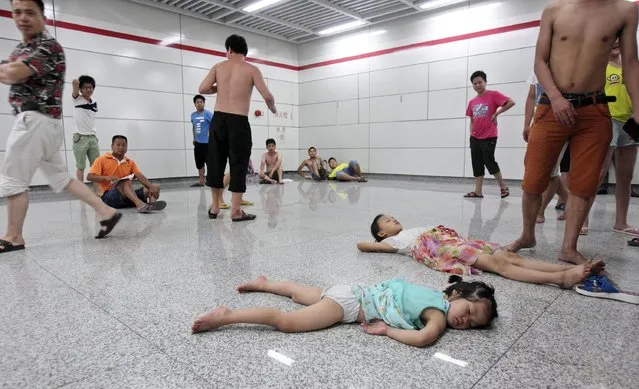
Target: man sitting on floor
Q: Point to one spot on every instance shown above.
(115, 173)
(272, 163)
(346, 171)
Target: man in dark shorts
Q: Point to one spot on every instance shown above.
(201, 120)
(230, 136)
(572, 54)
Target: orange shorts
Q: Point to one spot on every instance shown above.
(589, 142)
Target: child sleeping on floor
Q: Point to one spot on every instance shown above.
(443, 249)
(408, 313)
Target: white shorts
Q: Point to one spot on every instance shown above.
(620, 137)
(555, 170)
(34, 142)
(344, 296)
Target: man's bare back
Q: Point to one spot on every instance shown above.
(583, 33)
(233, 81)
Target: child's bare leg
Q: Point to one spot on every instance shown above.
(312, 166)
(565, 279)
(346, 177)
(318, 316)
(305, 295)
(532, 264)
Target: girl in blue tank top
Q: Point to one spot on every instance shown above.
(406, 312)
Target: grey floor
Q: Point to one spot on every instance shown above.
(76, 312)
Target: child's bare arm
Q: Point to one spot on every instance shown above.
(435, 326)
(299, 169)
(375, 247)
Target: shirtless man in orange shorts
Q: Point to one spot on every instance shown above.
(575, 40)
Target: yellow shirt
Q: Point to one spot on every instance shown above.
(620, 110)
(339, 168)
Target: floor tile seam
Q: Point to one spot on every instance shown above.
(95, 304)
(514, 342)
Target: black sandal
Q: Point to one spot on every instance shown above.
(212, 215)
(9, 247)
(245, 217)
(634, 242)
(109, 224)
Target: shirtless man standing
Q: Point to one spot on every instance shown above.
(271, 164)
(230, 134)
(575, 40)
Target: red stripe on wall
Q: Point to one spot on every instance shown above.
(493, 31)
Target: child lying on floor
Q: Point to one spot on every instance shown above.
(443, 249)
(408, 313)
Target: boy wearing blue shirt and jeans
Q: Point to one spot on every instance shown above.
(201, 120)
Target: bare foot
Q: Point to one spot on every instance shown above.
(255, 286)
(520, 244)
(210, 320)
(541, 219)
(583, 231)
(575, 275)
(561, 216)
(572, 256)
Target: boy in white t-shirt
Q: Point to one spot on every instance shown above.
(85, 140)
(442, 249)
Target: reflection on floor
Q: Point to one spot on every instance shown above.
(81, 313)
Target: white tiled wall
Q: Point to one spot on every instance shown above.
(145, 91)
(411, 103)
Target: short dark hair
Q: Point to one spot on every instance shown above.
(236, 44)
(270, 141)
(198, 97)
(39, 3)
(473, 291)
(375, 228)
(329, 160)
(86, 80)
(312, 148)
(116, 137)
(479, 73)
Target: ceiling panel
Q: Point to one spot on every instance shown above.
(295, 21)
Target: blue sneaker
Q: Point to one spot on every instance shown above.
(601, 287)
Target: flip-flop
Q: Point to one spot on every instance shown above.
(362, 179)
(633, 242)
(109, 224)
(628, 231)
(246, 203)
(245, 217)
(212, 215)
(9, 247)
(473, 195)
(505, 193)
(158, 205)
(223, 206)
(146, 208)
(601, 287)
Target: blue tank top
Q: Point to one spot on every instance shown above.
(399, 303)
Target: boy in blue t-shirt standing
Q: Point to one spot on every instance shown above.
(201, 120)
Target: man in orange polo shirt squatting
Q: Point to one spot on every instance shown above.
(115, 172)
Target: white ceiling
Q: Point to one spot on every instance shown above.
(295, 21)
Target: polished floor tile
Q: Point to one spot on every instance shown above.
(81, 313)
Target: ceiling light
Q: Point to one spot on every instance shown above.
(259, 5)
(342, 27)
(432, 4)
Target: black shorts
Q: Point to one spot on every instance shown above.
(482, 153)
(229, 139)
(201, 152)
